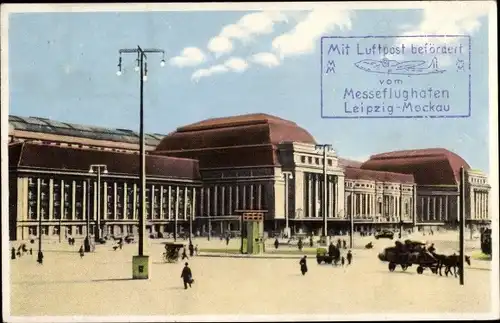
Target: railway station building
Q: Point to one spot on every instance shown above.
(206, 173)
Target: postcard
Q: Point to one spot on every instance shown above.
(249, 161)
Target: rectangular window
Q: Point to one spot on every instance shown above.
(44, 198)
(56, 200)
(130, 202)
(32, 198)
(188, 201)
(119, 200)
(110, 200)
(67, 201)
(156, 203)
(79, 200)
(173, 201)
(148, 202)
(181, 202)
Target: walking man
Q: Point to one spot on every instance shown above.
(184, 254)
(349, 257)
(81, 252)
(276, 243)
(191, 249)
(187, 276)
(300, 244)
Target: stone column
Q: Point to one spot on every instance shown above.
(125, 201)
(237, 200)
(193, 203)
(223, 199)
(115, 194)
(244, 199)
(176, 215)
(309, 195)
(104, 214)
(51, 199)
(316, 196)
(38, 200)
(230, 202)
(446, 207)
(216, 205)
(162, 212)
(84, 201)
(73, 200)
(251, 201)
(259, 196)
(185, 203)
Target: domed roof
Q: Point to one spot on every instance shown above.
(244, 140)
(433, 166)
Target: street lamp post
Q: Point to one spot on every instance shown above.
(325, 148)
(141, 262)
(287, 176)
(87, 236)
(40, 253)
(98, 169)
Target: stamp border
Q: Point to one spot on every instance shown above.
(323, 116)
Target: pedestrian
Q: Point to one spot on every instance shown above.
(187, 276)
(40, 257)
(13, 253)
(342, 261)
(196, 250)
(311, 242)
(227, 240)
(31, 251)
(81, 252)
(339, 244)
(184, 254)
(303, 265)
(349, 257)
(276, 243)
(331, 249)
(300, 244)
(191, 249)
(120, 243)
(344, 243)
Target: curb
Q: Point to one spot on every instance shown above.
(249, 256)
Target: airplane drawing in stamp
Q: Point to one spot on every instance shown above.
(387, 66)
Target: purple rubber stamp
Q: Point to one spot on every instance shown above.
(396, 76)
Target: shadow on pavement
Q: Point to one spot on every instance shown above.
(111, 279)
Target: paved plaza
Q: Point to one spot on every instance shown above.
(100, 284)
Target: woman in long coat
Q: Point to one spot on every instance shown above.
(303, 265)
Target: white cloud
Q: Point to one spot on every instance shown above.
(457, 18)
(220, 45)
(265, 59)
(303, 37)
(253, 24)
(190, 56)
(233, 64)
(236, 64)
(205, 72)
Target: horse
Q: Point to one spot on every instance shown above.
(453, 261)
(449, 262)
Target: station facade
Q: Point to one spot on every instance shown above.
(206, 173)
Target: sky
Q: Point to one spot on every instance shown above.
(63, 66)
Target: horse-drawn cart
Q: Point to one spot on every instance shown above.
(408, 254)
(171, 253)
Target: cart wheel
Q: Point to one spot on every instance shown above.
(392, 266)
(420, 269)
(404, 267)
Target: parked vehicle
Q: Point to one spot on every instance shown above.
(384, 234)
